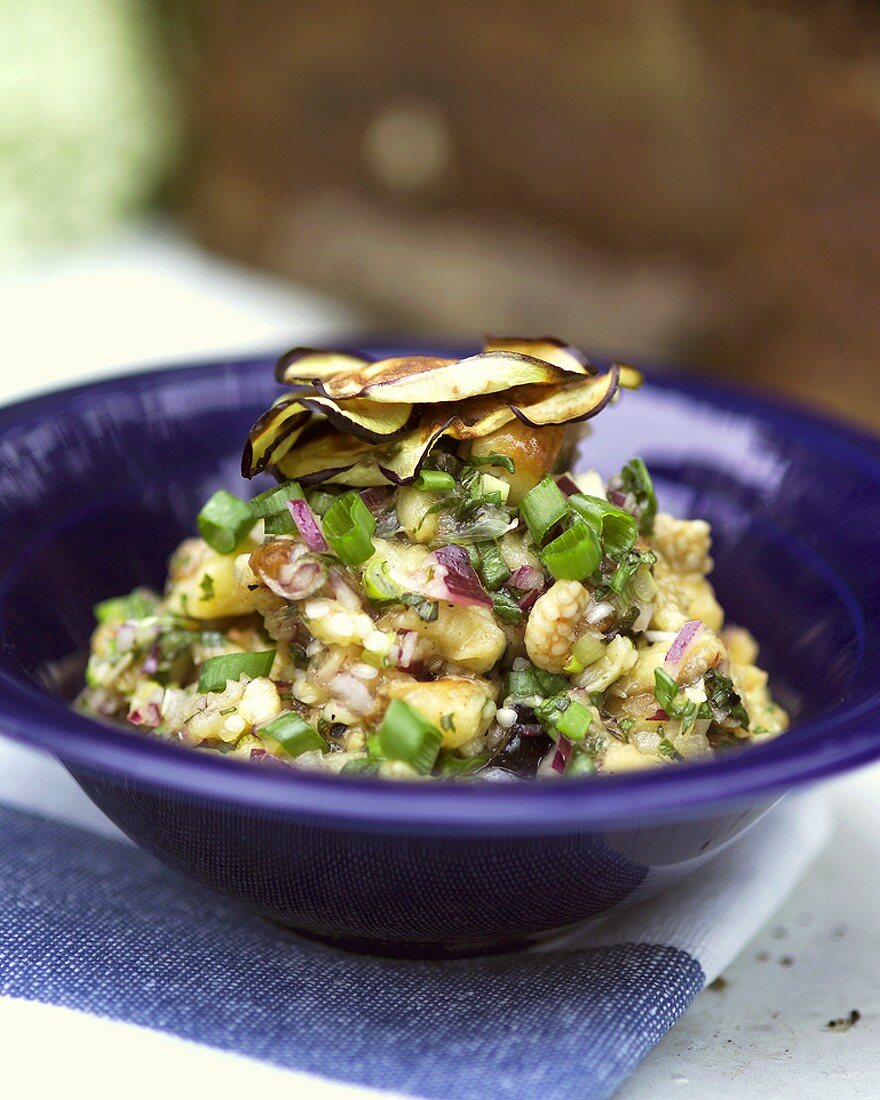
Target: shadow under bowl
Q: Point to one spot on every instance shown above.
(100, 482)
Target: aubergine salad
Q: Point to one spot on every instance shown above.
(427, 591)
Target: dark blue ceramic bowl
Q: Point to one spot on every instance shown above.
(99, 483)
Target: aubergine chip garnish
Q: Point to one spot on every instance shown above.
(362, 422)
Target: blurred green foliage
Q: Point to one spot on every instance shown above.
(89, 118)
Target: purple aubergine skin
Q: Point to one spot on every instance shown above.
(100, 482)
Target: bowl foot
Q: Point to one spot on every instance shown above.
(405, 949)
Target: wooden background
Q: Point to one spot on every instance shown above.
(689, 180)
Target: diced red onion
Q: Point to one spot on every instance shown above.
(459, 582)
(297, 580)
(150, 716)
(260, 756)
(567, 485)
(343, 591)
(658, 716)
(151, 662)
(307, 524)
(618, 498)
(407, 641)
(528, 601)
(526, 578)
(354, 693)
(563, 755)
(685, 637)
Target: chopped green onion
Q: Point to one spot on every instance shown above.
(319, 501)
(493, 490)
(275, 499)
(506, 607)
(119, 609)
(564, 715)
(581, 763)
(435, 481)
(295, 735)
(360, 766)
(451, 764)
(574, 554)
(378, 584)
(224, 521)
(281, 523)
(491, 566)
(494, 459)
(574, 721)
(348, 528)
(229, 666)
(588, 650)
(405, 735)
(665, 690)
(616, 528)
(542, 508)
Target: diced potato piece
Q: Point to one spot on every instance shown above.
(640, 678)
(533, 451)
(460, 708)
(620, 758)
(413, 506)
(467, 636)
(204, 584)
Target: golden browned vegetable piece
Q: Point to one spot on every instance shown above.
(533, 452)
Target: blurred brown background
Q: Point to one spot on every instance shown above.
(687, 180)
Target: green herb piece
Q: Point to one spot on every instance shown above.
(450, 764)
(434, 481)
(625, 725)
(580, 763)
(275, 499)
(295, 735)
(405, 735)
(229, 666)
(224, 521)
(723, 700)
(494, 459)
(426, 609)
(667, 749)
(628, 568)
(491, 566)
(676, 703)
(574, 554)
(533, 681)
(206, 587)
(348, 528)
(542, 508)
(616, 528)
(506, 607)
(281, 523)
(119, 609)
(635, 482)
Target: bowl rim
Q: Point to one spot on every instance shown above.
(833, 742)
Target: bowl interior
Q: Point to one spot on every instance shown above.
(98, 485)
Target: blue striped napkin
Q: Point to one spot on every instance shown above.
(137, 960)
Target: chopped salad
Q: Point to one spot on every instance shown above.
(427, 591)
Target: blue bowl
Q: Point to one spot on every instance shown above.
(100, 482)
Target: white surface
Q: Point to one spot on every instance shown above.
(152, 297)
